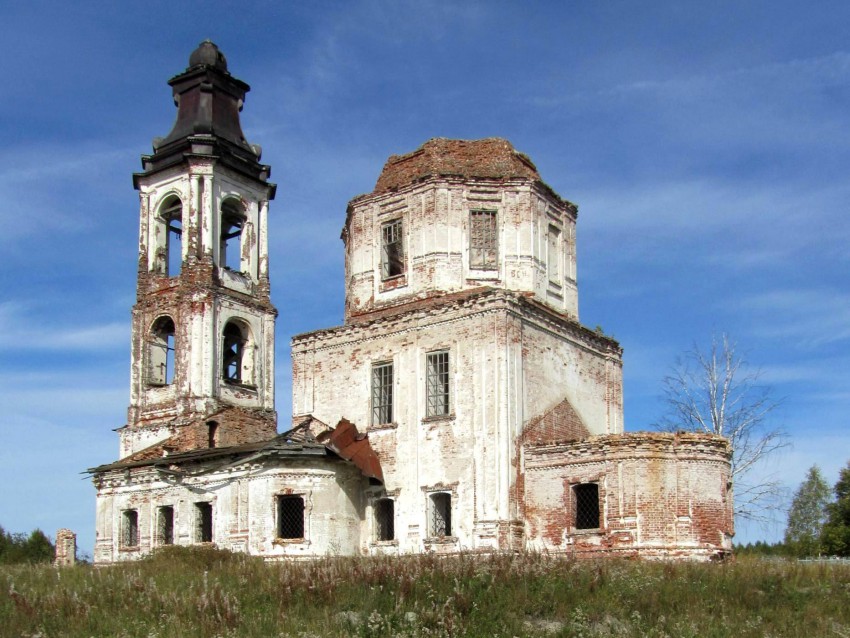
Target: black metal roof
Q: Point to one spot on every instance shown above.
(209, 100)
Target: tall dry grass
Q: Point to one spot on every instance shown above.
(202, 592)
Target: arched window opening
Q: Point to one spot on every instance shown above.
(172, 217)
(161, 352)
(236, 360)
(232, 224)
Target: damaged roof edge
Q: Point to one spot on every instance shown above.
(343, 441)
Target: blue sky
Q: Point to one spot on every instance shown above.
(705, 144)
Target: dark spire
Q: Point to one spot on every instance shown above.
(208, 101)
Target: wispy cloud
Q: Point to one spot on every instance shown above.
(22, 330)
(71, 171)
(792, 75)
(808, 317)
(827, 70)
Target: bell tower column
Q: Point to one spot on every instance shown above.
(203, 322)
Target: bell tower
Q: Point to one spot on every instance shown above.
(202, 368)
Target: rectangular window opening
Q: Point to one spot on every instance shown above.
(382, 393)
(290, 517)
(392, 250)
(165, 525)
(440, 524)
(586, 500)
(203, 523)
(437, 384)
(554, 255)
(483, 240)
(130, 529)
(385, 519)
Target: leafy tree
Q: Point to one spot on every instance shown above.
(718, 393)
(836, 531)
(19, 548)
(39, 549)
(807, 515)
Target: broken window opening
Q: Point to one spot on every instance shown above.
(130, 529)
(233, 354)
(392, 250)
(161, 352)
(212, 434)
(290, 517)
(586, 500)
(172, 216)
(437, 384)
(441, 515)
(382, 393)
(203, 522)
(165, 525)
(483, 240)
(385, 519)
(230, 247)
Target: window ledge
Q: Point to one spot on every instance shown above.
(441, 540)
(290, 541)
(392, 543)
(439, 418)
(594, 531)
(242, 275)
(391, 283)
(129, 548)
(239, 384)
(382, 426)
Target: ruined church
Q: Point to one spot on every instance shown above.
(461, 406)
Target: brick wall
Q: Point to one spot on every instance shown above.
(660, 495)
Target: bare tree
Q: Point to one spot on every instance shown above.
(719, 393)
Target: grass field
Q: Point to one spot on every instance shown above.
(205, 593)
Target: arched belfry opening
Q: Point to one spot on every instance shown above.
(171, 220)
(237, 362)
(161, 352)
(232, 225)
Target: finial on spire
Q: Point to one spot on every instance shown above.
(208, 54)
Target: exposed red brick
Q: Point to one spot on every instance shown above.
(561, 423)
(492, 157)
